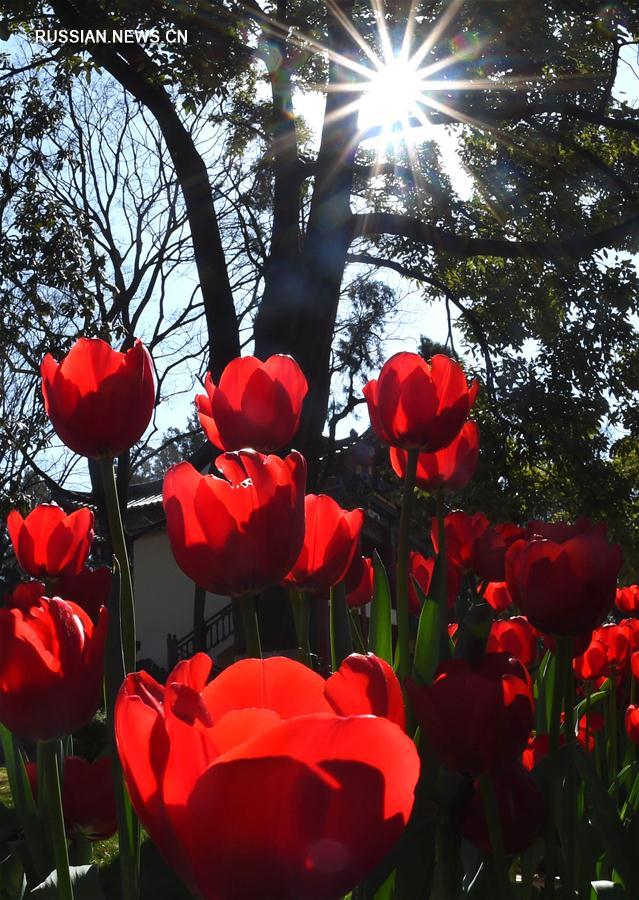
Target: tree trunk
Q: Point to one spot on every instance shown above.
(301, 296)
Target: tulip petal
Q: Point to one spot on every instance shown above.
(327, 797)
(239, 725)
(143, 748)
(267, 684)
(366, 685)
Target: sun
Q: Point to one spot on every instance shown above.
(393, 102)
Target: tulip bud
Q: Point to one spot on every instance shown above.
(256, 404)
(99, 401)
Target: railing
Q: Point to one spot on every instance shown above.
(217, 629)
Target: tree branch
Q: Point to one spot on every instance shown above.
(580, 246)
(132, 68)
(417, 275)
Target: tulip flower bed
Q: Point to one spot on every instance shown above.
(474, 735)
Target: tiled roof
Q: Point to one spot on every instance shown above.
(143, 502)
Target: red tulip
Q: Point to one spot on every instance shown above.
(359, 581)
(256, 404)
(476, 717)
(99, 401)
(49, 542)
(473, 543)
(521, 807)
(634, 664)
(627, 599)
(448, 469)
(268, 778)
(331, 540)
(365, 685)
(461, 530)
(514, 636)
(50, 669)
(588, 727)
(421, 568)
(242, 532)
(538, 748)
(630, 628)
(617, 644)
(88, 588)
(88, 799)
(25, 595)
(593, 662)
(564, 587)
(489, 550)
(496, 595)
(417, 405)
(632, 723)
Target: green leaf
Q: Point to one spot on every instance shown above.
(549, 685)
(380, 641)
(606, 820)
(609, 889)
(85, 881)
(356, 632)
(23, 797)
(9, 823)
(472, 859)
(387, 889)
(428, 642)
(13, 882)
(473, 632)
(581, 707)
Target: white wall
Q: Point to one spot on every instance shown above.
(164, 597)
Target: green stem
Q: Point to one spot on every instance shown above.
(403, 552)
(555, 709)
(587, 712)
(496, 838)
(80, 851)
(569, 688)
(114, 674)
(339, 626)
(356, 632)
(555, 723)
(301, 609)
(631, 803)
(571, 853)
(42, 796)
(118, 544)
(49, 759)
(612, 725)
(439, 575)
(248, 609)
(448, 861)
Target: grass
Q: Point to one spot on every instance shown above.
(5, 790)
